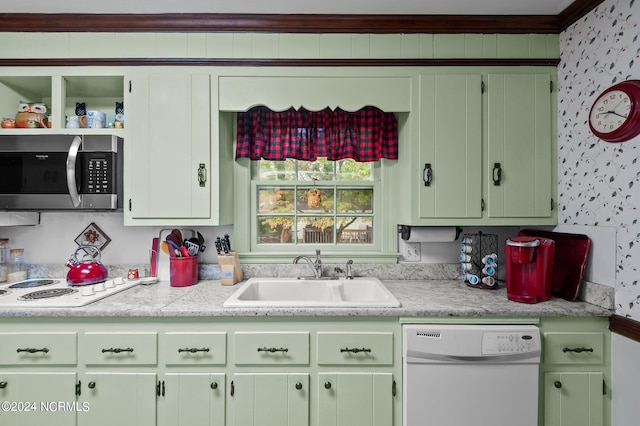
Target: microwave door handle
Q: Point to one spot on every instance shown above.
(71, 171)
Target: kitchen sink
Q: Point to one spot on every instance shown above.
(293, 292)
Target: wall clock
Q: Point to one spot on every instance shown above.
(615, 114)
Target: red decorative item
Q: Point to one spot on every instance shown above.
(85, 267)
(615, 114)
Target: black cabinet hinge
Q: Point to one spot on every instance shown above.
(482, 204)
(129, 86)
(394, 390)
(129, 204)
(551, 86)
(604, 387)
(553, 205)
(78, 388)
(482, 87)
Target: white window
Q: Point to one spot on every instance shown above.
(321, 203)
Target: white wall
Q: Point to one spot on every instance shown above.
(52, 242)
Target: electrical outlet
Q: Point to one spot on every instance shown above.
(411, 252)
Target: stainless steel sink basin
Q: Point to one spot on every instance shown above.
(292, 292)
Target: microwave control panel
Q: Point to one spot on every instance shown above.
(99, 175)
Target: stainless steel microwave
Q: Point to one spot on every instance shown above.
(60, 172)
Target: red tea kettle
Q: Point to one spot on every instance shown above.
(85, 267)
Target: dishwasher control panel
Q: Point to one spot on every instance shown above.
(509, 342)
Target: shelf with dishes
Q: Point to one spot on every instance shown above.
(77, 104)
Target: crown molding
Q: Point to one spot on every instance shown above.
(298, 23)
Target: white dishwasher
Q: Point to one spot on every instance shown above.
(461, 375)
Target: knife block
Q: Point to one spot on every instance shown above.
(230, 270)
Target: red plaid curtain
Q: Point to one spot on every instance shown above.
(365, 135)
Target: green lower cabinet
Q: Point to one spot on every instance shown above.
(118, 399)
(574, 399)
(195, 399)
(36, 399)
(267, 399)
(355, 399)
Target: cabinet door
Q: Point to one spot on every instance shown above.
(450, 146)
(119, 398)
(270, 399)
(35, 399)
(355, 399)
(574, 399)
(196, 399)
(168, 154)
(519, 146)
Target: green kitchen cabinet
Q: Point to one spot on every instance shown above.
(196, 399)
(520, 155)
(355, 399)
(270, 399)
(575, 372)
(450, 146)
(177, 170)
(126, 398)
(485, 152)
(574, 399)
(37, 398)
(168, 161)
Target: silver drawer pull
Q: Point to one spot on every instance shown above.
(356, 350)
(32, 350)
(272, 350)
(577, 350)
(117, 350)
(193, 350)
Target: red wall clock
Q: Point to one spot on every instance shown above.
(615, 114)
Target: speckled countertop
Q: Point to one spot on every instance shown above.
(419, 298)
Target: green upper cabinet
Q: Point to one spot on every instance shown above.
(519, 146)
(450, 146)
(484, 150)
(168, 148)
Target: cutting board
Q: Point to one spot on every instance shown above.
(601, 262)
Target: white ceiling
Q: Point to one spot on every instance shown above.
(402, 7)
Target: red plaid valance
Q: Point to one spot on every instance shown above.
(365, 135)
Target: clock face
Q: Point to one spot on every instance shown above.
(610, 111)
(615, 114)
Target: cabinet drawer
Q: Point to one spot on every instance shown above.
(355, 348)
(573, 348)
(194, 348)
(38, 348)
(270, 348)
(99, 348)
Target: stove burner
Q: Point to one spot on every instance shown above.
(3, 292)
(45, 294)
(31, 283)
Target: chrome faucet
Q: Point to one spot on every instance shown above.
(316, 266)
(349, 273)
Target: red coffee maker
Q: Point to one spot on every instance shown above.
(529, 268)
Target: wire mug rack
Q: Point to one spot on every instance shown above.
(479, 260)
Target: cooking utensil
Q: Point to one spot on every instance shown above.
(85, 267)
(173, 239)
(218, 244)
(164, 246)
(226, 243)
(201, 242)
(177, 234)
(192, 248)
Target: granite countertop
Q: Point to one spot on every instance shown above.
(419, 298)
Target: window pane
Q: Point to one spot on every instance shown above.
(352, 170)
(321, 169)
(275, 230)
(275, 200)
(315, 200)
(278, 170)
(313, 230)
(355, 230)
(355, 200)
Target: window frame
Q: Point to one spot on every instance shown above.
(334, 247)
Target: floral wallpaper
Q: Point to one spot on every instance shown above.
(599, 182)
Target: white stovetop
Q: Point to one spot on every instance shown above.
(18, 294)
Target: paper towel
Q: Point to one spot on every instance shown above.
(429, 234)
